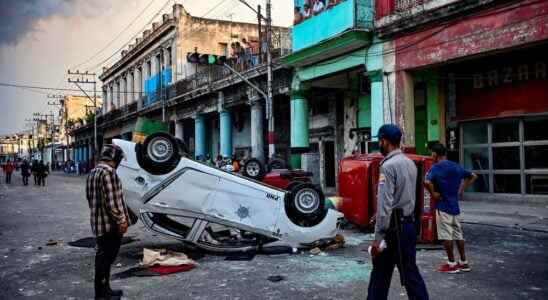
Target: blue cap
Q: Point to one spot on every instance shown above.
(390, 132)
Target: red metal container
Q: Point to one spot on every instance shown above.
(358, 181)
(358, 176)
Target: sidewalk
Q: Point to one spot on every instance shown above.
(526, 217)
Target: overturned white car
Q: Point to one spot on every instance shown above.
(210, 208)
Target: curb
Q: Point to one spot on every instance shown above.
(507, 226)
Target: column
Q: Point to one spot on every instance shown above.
(299, 122)
(432, 108)
(130, 87)
(154, 76)
(257, 131)
(200, 137)
(125, 90)
(116, 92)
(111, 96)
(377, 102)
(137, 84)
(225, 127)
(105, 97)
(179, 129)
(144, 78)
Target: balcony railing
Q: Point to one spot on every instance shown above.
(405, 7)
(314, 26)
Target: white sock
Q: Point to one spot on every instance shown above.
(463, 262)
(451, 264)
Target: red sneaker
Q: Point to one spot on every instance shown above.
(446, 268)
(464, 267)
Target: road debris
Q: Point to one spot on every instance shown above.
(54, 242)
(315, 251)
(276, 278)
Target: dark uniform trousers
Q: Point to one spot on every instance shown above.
(108, 246)
(383, 266)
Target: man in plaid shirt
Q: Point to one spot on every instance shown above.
(109, 217)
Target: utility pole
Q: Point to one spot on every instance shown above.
(55, 102)
(44, 117)
(269, 102)
(83, 78)
(269, 106)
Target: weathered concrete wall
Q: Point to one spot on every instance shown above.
(350, 122)
(504, 28)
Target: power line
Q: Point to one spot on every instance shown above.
(117, 36)
(189, 32)
(34, 87)
(98, 65)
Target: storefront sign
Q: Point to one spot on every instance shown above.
(510, 74)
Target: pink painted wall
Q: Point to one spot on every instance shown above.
(491, 30)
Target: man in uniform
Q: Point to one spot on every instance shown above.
(394, 221)
(109, 216)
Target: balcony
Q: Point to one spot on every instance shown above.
(395, 16)
(340, 27)
(331, 21)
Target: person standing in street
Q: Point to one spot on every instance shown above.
(42, 173)
(109, 217)
(395, 233)
(34, 171)
(25, 172)
(8, 170)
(445, 182)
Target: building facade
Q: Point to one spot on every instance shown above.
(163, 76)
(472, 74)
(338, 85)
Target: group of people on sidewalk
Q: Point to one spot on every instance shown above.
(37, 169)
(395, 232)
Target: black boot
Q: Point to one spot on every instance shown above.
(114, 293)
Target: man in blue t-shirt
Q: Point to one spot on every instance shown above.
(446, 182)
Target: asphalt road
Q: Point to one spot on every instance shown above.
(507, 263)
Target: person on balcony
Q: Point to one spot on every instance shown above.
(307, 12)
(318, 7)
(298, 16)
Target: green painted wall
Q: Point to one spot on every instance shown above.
(374, 66)
(299, 122)
(364, 111)
(433, 108)
(344, 62)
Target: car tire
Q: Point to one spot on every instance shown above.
(276, 163)
(254, 169)
(159, 154)
(306, 204)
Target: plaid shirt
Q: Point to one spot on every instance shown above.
(106, 200)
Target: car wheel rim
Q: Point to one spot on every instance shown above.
(160, 149)
(307, 201)
(253, 169)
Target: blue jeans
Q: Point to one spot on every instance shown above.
(384, 263)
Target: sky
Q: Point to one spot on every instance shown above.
(41, 39)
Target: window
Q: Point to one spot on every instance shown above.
(505, 131)
(507, 183)
(536, 129)
(475, 133)
(509, 155)
(536, 157)
(506, 158)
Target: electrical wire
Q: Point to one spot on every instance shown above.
(98, 65)
(117, 36)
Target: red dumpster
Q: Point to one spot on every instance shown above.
(358, 180)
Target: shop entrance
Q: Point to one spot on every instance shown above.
(421, 119)
(329, 167)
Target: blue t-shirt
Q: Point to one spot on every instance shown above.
(447, 177)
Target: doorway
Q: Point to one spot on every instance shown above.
(420, 119)
(329, 163)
